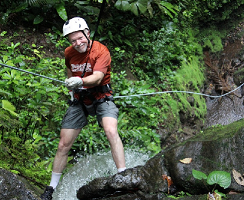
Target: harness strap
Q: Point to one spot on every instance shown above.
(102, 89)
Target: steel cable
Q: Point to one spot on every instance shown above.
(127, 96)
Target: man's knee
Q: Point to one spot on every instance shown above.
(67, 138)
(112, 133)
(63, 146)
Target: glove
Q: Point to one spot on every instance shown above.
(73, 82)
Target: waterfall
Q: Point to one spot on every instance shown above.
(91, 167)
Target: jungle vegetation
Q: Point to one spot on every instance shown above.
(156, 46)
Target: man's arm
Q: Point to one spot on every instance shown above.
(69, 73)
(94, 79)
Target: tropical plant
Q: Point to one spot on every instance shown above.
(221, 178)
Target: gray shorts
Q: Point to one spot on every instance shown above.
(75, 117)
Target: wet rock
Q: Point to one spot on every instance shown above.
(224, 110)
(11, 188)
(215, 149)
(137, 181)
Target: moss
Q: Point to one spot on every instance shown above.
(220, 131)
(214, 133)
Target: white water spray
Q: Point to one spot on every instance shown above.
(91, 167)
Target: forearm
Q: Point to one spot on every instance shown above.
(92, 80)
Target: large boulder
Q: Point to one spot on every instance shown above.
(215, 149)
(225, 110)
(219, 148)
(138, 181)
(12, 188)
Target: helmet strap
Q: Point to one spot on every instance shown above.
(86, 37)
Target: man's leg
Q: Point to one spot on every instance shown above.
(67, 138)
(110, 127)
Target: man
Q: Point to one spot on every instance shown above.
(88, 70)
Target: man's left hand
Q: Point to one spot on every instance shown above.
(73, 82)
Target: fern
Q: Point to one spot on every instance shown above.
(190, 78)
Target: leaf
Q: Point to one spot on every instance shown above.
(168, 8)
(219, 177)
(38, 19)
(134, 8)
(199, 175)
(62, 12)
(186, 160)
(20, 7)
(4, 92)
(169, 181)
(6, 105)
(142, 5)
(238, 177)
(122, 5)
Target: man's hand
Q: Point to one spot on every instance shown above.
(73, 82)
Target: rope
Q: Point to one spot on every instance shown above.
(134, 95)
(206, 95)
(35, 74)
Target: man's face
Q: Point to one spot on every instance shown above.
(79, 41)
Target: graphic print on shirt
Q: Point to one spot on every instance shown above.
(81, 67)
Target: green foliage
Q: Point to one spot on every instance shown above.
(22, 158)
(169, 47)
(33, 10)
(209, 11)
(222, 178)
(167, 59)
(199, 175)
(212, 40)
(6, 105)
(142, 6)
(39, 104)
(190, 77)
(181, 194)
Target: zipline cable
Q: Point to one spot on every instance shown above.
(176, 91)
(35, 74)
(127, 96)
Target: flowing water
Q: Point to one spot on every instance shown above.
(91, 167)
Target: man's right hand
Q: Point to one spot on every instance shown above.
(73, 82)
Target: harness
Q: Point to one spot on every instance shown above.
(89, 93)
(81, 94)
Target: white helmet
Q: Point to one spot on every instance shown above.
(73, 25)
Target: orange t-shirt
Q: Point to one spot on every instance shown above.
(99, 59)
